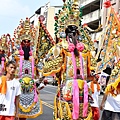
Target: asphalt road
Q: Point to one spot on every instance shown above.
(47, 97)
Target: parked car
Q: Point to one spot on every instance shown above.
(51, 80)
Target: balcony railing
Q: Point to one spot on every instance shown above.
(113, 1)
(86, 2)
(91, 16)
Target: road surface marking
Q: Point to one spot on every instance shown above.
(48, 105)
(49, 92)
(51, 86)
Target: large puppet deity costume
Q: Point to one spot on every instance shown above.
(5, 51)
(30, 104)
(70, 62)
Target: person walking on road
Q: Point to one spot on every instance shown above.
(95, 88)
(111, 105)
(9, 93)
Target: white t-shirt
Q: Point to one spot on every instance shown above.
(41, 85)
(13, 90)
(113, 103)
(94, 95)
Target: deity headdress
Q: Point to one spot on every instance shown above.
(5, 41)
(70, 14)
(25, 31)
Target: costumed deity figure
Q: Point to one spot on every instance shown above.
(25, 36)
(43, 44)
(110, 53)
(5, 51)
(111, 57)
(70, 62)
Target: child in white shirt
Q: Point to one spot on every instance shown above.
(9, 100)
(95, 88)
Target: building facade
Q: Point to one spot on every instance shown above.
(48, 12)
(95, 14)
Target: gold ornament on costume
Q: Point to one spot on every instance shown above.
(4, 43)
(74, 14)
(116, 47)
(69, 15)
(25, 31)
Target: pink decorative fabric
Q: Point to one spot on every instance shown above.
(21, 65)
(21, 52)
(32, 68)
(75, 112)
(80, 47)
(30, 53)
(35, 94)
(71, 47)
(81, 65)
(85, 104)
(3, 59)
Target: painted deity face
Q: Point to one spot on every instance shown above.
(26, 42)
(71, 33)
(27, 84)
(72, 37)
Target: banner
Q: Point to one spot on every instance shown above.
(102, 79)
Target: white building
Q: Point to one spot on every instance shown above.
(48, 12)
(95, 14)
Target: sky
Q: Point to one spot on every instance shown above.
(12, 11)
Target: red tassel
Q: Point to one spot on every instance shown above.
(56, 18)
(85, 24)
(95, 40)
(107, 4)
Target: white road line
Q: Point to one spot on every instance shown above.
(49, 92)
(51, 86)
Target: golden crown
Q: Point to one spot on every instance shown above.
(4, 42)
(69, 15)
(25, 31)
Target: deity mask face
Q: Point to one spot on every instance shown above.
(71, 33)
(26, 42)
(26, 48)
(27, 84)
